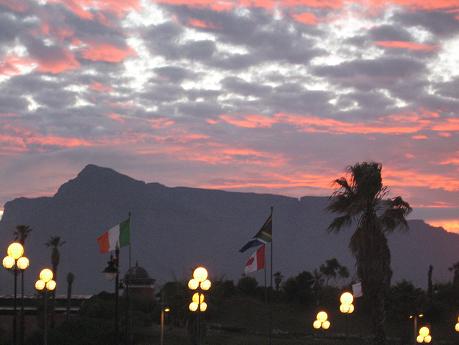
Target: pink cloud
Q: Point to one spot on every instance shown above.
(99, 87)
(62, 62)
(106, 52)
(449, 125)
(307, 18)
(12, 64)
(406, 45)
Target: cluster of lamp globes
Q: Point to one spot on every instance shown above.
(346, 300)
(199, 283)
(46, 281)
(321, 321)
(424, 335)
(15, 258)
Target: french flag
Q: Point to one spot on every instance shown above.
(256, 261)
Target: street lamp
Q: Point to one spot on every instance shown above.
(199, 283)
(15, 261)
(112, 272)
(321, 321)
(44, 284)
(424, 335)
(164, 310)
(346, 308)
(416, 318)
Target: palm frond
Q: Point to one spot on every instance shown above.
(394, 215)
(339, 222)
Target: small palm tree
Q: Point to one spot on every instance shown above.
(362, 200)
(278, 277)
(70, 280)
(54, 243)
(21, 233)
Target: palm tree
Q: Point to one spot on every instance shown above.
(70, 280)
(54, 243)
(21, 233)
(362, 200)
(278, 277)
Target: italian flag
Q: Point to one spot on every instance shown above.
(119, 236)
(256, 261)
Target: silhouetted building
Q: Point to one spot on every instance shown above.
(140, 285)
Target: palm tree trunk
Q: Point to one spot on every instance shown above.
(53, 298)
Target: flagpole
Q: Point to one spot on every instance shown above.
(271, 287)
(128, 300)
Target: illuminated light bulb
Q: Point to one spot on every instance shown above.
(15, 250)
(8, 262)
(193, 284)
(40, 285)
(351, 309)
(198, 296)
(457, 327)
(203, 306)
(46, 275)
(206, 284)
(344, 308)
(419, 339)
(322, 316)
(326, 324)
(427, 339)
(316, 324)
(51, 285)
(193, 306)
(200, 274)
(346, 298)
(424, 331)
(23, 263)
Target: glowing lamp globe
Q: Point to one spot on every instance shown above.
(46, 275)
(200, 274)
(51, 285)
(203, 306)
(344, 308)
(457, 327)
(326, 324)
(316, 324)
(193, 306)
(351, 309)
(424, 331)
(167, 309)
(205, 285)
(15, 250)
(427, 339)
(197, 296)
(23, 263)
(322, 316)
(346, 298)
(40, 285)
(8, 262)
(193, 284)
(419, 339)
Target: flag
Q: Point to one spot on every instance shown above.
(119, 236)
(263, 236)
(256, 261)
(357, 290)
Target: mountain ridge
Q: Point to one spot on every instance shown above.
(175, 228)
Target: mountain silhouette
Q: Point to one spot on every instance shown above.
(174, 229)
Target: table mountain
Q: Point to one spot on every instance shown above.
(174, 229)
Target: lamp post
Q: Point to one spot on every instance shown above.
(44, 284)
(321, 322)
(346, 308)
(15, 261)
(415, 318)
(112, 272)
(199, 283)
(164, 310)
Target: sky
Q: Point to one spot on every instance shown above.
(244, 95)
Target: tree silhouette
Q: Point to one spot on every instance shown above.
(361, 200)
(54, 243)
(21, 233)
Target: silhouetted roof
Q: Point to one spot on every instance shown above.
(138, 275)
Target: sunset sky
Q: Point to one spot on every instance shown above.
(244, 95)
